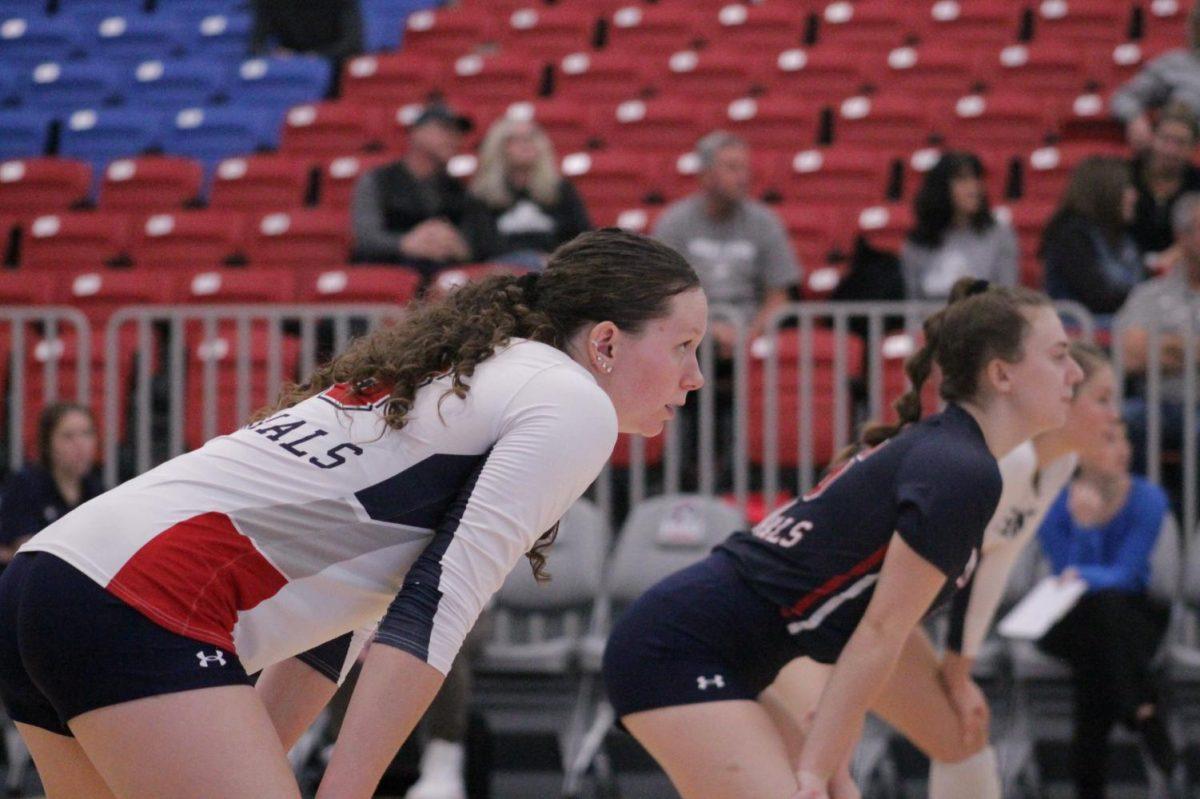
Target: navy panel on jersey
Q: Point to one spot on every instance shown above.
(329, 658)
(420, 495)
(818, 559)
(408, 623)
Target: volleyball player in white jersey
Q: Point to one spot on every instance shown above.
(403, 481)
(936, 704)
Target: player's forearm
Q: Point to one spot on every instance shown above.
(293, 693)
(392, 694)
(861, 672)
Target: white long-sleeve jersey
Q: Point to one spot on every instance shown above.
(304, 526)
(1027, 495)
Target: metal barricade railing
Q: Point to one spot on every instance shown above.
(1166, 391)
(51, 337)
(265, 344)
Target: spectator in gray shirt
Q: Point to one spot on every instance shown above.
(737, 245)
(1173, 76)
(956, 234)
(1171, 304)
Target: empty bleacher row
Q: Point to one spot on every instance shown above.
(843, 103)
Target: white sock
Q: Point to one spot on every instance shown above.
(977, 777)
(441, 772)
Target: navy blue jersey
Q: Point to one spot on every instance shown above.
(818, 559)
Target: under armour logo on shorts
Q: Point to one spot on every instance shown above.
(218, 658)
(717, 681)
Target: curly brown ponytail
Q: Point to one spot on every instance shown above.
(603, 275)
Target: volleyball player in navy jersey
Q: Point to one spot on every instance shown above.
(844, 574)
(401, 482)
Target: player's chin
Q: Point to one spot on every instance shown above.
(651, 428)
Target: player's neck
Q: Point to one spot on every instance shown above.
(1002, 433)
(1050, 447)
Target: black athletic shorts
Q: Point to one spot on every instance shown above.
(700, 635)
(67, 646)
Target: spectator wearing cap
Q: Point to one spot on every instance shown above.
(1162, 173)
(737, 245)
(531, 206)
(412, 211)
(1172, 77)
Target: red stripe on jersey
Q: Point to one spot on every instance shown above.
(834, 583)
(364, 397)
(196, 576)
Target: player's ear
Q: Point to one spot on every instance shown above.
(998, 375)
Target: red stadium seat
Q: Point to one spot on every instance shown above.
(868, 25)
(25, 288)
(651, 30)
(304, 237)
(660, 126)
(39, 185)
(971, 24)
(259, 183)
(635, 220)
(550, 31)
(148, 183)
(330, 129)
(1000, 120)
(449, 32)
(78, 240)
(1042, 70)
(360, 283)
(817, 231)
(883, 122)
(606, 77)
(237, 286)
(835, 176)
(187, 240)
(1088, 120)
(821, 76)
(759, 28)
(1085, 22)
(609, 178)
(447, 280)
(718, 76)
(102, 292)
(498, 78)
(788, 395)
(565, 122)
(390, 78)
(936, 70)
(339, 176)
(779, 122)
(1046, 170)
(885, 226)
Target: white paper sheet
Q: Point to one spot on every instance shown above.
(1037, 612)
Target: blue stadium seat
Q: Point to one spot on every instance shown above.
(280, 82)
(28, 41)
(211, 134)
(90, 12)
(22, 8)
(10, 82)
(221, 37)
(171, 85)
(68, 85)
(23, 132)
(103, 135)
(138, 38)
(196, 10)
(383, 21)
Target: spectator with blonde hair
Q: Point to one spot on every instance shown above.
(527, 208)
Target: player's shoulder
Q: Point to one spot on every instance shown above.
(545, 376)
(950, 446)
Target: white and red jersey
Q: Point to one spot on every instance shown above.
(304, 526)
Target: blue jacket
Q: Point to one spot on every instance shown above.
(1115, 556)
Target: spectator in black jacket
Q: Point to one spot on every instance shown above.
(63, 478)
(1087, 250)
(532, 207)
(412, 211)
(332, 28)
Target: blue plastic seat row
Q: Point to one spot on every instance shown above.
(69, 85)
(32, 40)
(91, 11)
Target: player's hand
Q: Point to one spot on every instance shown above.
(811, 786)
(974, 715)
(842, 785)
